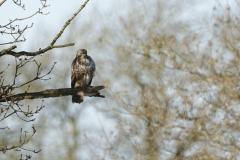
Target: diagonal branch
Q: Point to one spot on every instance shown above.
(68, 22)
(2, 2)
(91, 91)
(51, 45)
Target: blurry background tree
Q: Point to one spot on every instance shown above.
(172, 72)
(180, 91)
(182, 86)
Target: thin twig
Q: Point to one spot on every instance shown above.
(67, 23)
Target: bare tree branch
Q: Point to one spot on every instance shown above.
(24, 53)
(23, 139)
(21, 19)
(91, 91)
(67, 23)
(14, 29)
(5, 51)
(51, 45)
(2, 2)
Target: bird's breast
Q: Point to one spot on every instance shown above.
(83, 80)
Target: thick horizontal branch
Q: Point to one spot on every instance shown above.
(91, 91)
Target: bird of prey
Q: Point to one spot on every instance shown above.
(83, 69)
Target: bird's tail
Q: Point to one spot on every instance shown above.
(77, 99)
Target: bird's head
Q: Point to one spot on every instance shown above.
(81, 54)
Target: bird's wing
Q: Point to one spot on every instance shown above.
(92, 69)
(73, 74)
(92, 65)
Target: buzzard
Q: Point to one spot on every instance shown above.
(83, 69)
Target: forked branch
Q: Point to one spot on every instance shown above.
(51, 45)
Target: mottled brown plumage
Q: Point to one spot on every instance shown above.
(83, 69)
